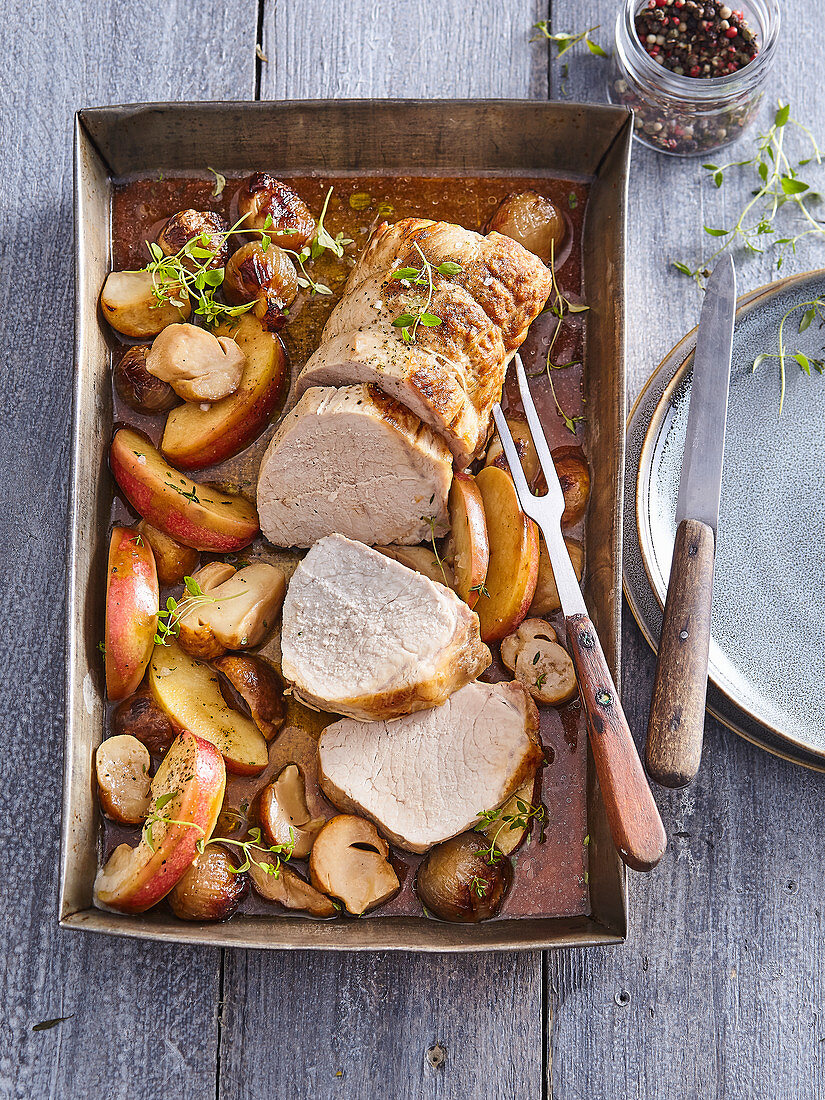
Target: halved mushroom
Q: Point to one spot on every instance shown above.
(526, 450)
(122, 765)
(349, 861)
(211, 889)
(457, 882)
(139, 389)
(252, 686)
(284, 815)
(140, 717)
(546, 598)
(173, 561)
(422, 559)
(288, 889)
(540, 663)
(574, 477)
(532, 220)
(130, 306)
(197, 365)
(207, 225)
(266, 277)
(262, 197)
(239, 614)
(212, 574)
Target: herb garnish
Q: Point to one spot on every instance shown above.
(431, 521)
(813, 309)
(176, 609)
(481, 589)
(47, 1025)
(565, 40)
(220, 183)
(525, 811)
(479, 885)
(420, 276)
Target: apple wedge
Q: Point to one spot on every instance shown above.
(514, 556)
(195, 437)
(194, 515)
(189, 693)
(131, 611)
(187, 792)
(468, 550)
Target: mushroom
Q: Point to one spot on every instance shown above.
(239, 613)
(140, 717)
(574, 478)
(252, 686)
(211, 889)
(540, 663)
(262, 197)
(122, 766)
(284, 816)
(139, 389)
(206, 225)
(266, 277)
(173, 561)
(197, 365)
(532, 220)
(504, 833)
(349, 861)
(546, 597)
(290, 890)
(130, 306)
(212, 574)
(456, 881)
(526, 450)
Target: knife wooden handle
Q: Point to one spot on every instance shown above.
(634, 820)
(677, 712)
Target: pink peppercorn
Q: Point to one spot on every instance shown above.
(731, 32)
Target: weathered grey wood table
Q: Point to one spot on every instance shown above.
(719, 991)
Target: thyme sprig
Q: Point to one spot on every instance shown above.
(479, 885)
(431, 521)
(176, 609)
(814, 309)
(778, 187)
(421, 276)
(322, 240)
(156, 817)
(525, 812)
(566, 40)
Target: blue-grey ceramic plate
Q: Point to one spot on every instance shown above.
(767, 656)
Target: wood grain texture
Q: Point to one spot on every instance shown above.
(143, 1016)
(677, 711)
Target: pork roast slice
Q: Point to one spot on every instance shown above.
(364, 636)
(353, 461)
(426, 777)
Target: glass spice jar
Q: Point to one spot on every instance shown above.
(687, 115)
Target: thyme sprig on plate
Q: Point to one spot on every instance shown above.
(525, 812)
(176, 609)
(421, 276)
(778, 187)
(813, 310)
(566, 40)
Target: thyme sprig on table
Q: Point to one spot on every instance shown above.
(566, 40)
(778, 188)
(814, 309)
(525, 812)
(421, 276)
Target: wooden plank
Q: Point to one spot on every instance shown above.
(719, 991)
(143, 1016)
(380, 1021)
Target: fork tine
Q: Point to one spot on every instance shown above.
(519, 480)
(536, 431)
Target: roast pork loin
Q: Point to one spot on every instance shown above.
(452, 373)
(353, 461)
(364, 636)
(426, 777)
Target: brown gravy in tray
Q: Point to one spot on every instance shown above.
(550, 877)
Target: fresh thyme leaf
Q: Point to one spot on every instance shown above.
(481, 589)
(102, 647)
(520, 820)
(220, 183)
(431, 521)
(540, 680)
(565, 40)
(479, 885)
(419, 276)
(47, 1025)
(811, 310)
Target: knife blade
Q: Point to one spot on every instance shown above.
(677, 713)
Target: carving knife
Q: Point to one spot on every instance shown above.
(677, 713)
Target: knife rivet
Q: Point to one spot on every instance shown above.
(586, 639)
(693, 550)
(683, 634)
(604, 698)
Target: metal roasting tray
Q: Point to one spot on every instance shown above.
(364, 136)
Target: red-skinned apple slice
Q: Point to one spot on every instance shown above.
(193, 773)
(195, 437)
(189, 692)
(468, 548)
(194, 515)
(131, 611)
(514, 556)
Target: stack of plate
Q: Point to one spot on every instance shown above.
(767, 650)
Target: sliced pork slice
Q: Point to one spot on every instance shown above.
(353, 461)
(366, 637)
(426, 777)
(454, 371)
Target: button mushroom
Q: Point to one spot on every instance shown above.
(239, 613)
(349, 861)
(141, 717)
(122, 766)
(139, 389)
(546, 597)
(540, 663)
(173, 561)
(206, 225)
(252, 686)
(456, 881)
(288, 889)
(211, 889)
(284, 815)
(532, 220)
(266, 277)
(262, 197)
(197, 365)
(130, 306)
(574, 477)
